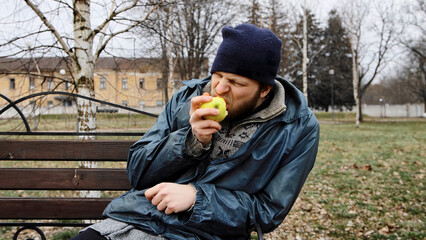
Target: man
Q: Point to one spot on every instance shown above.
(198, 179)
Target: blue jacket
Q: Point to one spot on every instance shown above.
(256, 185)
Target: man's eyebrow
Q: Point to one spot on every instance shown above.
(232, 77)
(239, 80)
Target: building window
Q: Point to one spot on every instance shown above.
(124, 103)
(142, 103)
(50, 83)
(32, 82)
(159, 83)
(141, 83)
(50, 104)
(159, 103)
(102, 83)
(12, 83)
(67, 85)
(67, 103)
(124, 83)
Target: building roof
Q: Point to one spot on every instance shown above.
(52, 64)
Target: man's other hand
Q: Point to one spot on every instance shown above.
(171, 197)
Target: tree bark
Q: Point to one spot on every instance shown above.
(84, 65)
(305, 53)
(355, 74)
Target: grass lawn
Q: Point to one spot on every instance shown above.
(367, 183)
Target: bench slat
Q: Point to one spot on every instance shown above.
(70, 150)
(63, 179)
(53, 208)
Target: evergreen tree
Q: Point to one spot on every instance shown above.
(335, 57)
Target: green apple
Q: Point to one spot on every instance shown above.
(218, 103)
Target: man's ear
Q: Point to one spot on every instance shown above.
(266, 89)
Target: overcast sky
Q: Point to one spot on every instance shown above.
(17, 19)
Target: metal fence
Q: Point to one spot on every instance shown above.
(14, 105)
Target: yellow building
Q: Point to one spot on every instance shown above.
(130, 82)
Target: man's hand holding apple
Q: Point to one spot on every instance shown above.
(203, 128)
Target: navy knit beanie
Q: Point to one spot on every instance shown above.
(249, 51)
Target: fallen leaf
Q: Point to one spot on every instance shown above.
(365, 167)
(384, 230)
(369, 233)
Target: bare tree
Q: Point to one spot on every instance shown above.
(370, 58)
(187, 33)
(356, 17)
(196, 29)
(79, 46)
(305, 51)
(255, 15)
(415, 69)
(164, 23)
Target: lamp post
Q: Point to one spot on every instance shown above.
(64, 109)
(382, 107)
(331, 72)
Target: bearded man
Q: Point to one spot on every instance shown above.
(195, 178)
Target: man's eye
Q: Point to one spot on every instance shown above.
(237, 83)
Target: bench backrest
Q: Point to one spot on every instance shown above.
(60, 178)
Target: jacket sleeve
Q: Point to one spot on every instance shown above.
(229, 212)
(160, 155)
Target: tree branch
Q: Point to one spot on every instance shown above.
(102, 46)
(50, 27)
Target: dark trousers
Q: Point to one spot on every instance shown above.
(89, 234)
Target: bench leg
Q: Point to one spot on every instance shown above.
(38, 230)
(259, 232)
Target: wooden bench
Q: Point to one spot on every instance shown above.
(45, 209)
(29, 212)
(23, 210)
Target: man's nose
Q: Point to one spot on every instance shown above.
(222, 87)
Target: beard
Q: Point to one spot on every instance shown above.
(244, 109)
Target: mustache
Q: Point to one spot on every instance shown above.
(215, 94)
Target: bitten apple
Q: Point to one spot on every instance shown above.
(218, 103)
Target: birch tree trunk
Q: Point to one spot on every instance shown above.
(355, 72)
(305, 53)
(355, 83)
(84, 64)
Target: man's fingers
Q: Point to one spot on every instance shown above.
(196, 101)
(172, 197)
(151, 192)
(198, 114)
(208, 126)
(169, 211)
(207, 111)
(157, 199)
(161, 205)
(205, 128)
